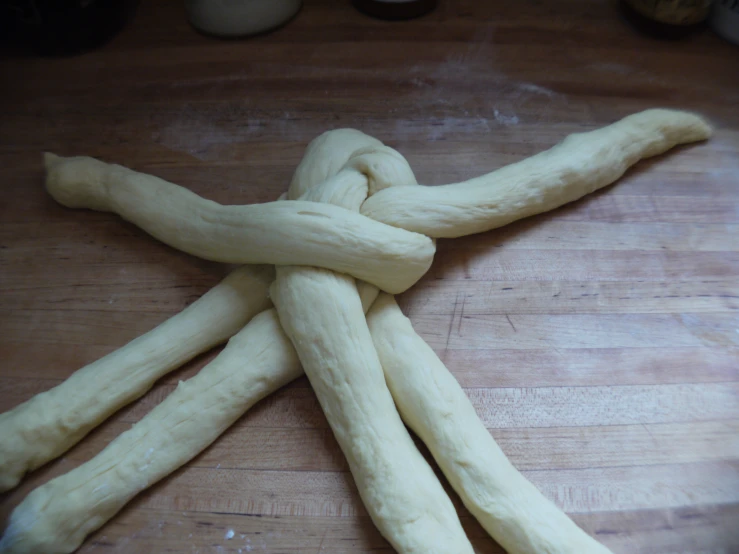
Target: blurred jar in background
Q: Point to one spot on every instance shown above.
(667, 18)
(62, 27)
(725, 19)
(238, 18)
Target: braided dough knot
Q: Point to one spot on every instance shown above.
(352, 214)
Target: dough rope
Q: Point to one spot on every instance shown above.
(579, 165)
(57, 516)
(297, 232)
(51, 422)
(435, 407)
(322, 314)
(344, 168)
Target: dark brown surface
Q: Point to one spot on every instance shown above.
(599, 342)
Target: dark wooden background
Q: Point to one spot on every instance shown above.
(599, 342)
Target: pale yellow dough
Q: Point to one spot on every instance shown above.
(56, 517)
(48, 424)
(322, 315)
(577, 166)
(294, 232)
(433, 404)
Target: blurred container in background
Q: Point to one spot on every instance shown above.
(725, 19)
(62, 27)
(238, 18)
(669, 19)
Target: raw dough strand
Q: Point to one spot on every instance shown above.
(57, 516)
(81, 181)
(48, 424)
(433, 404)
(294, 232)
(322, 314)
(579, 165)
(324, 156)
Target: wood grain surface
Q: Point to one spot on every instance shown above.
(599, 343)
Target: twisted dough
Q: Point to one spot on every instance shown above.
(664, 129)
(420, 518)
(321, 313)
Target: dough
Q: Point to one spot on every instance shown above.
(56, 517)
(321, 313)
(325, 156)
(48, 424)
(579, 165)
(433, 404)
(295, 232)
(334, 342)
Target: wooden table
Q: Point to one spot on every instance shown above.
(599, 342)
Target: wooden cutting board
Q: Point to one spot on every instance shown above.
(599, 342)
